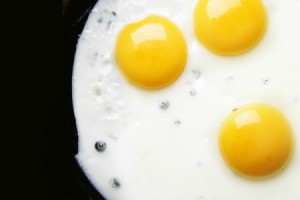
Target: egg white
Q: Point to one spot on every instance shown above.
(173, 154)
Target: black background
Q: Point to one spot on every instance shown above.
(38, 131)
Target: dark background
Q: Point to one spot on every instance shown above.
(38, 130)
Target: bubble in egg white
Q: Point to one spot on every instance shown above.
(164, 104)
(100, 146)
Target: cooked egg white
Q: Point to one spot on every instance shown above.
(164, 143)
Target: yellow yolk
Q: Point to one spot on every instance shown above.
(256, 141)
(229, 27)
(151, 53)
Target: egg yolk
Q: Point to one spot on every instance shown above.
(151, 53)
(256, 141)
(229, 27)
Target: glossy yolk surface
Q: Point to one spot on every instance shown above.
(151, 53)
(229, 27)
(256, 141)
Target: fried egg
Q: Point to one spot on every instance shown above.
(190, 100)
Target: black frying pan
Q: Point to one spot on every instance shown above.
(75, 184)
